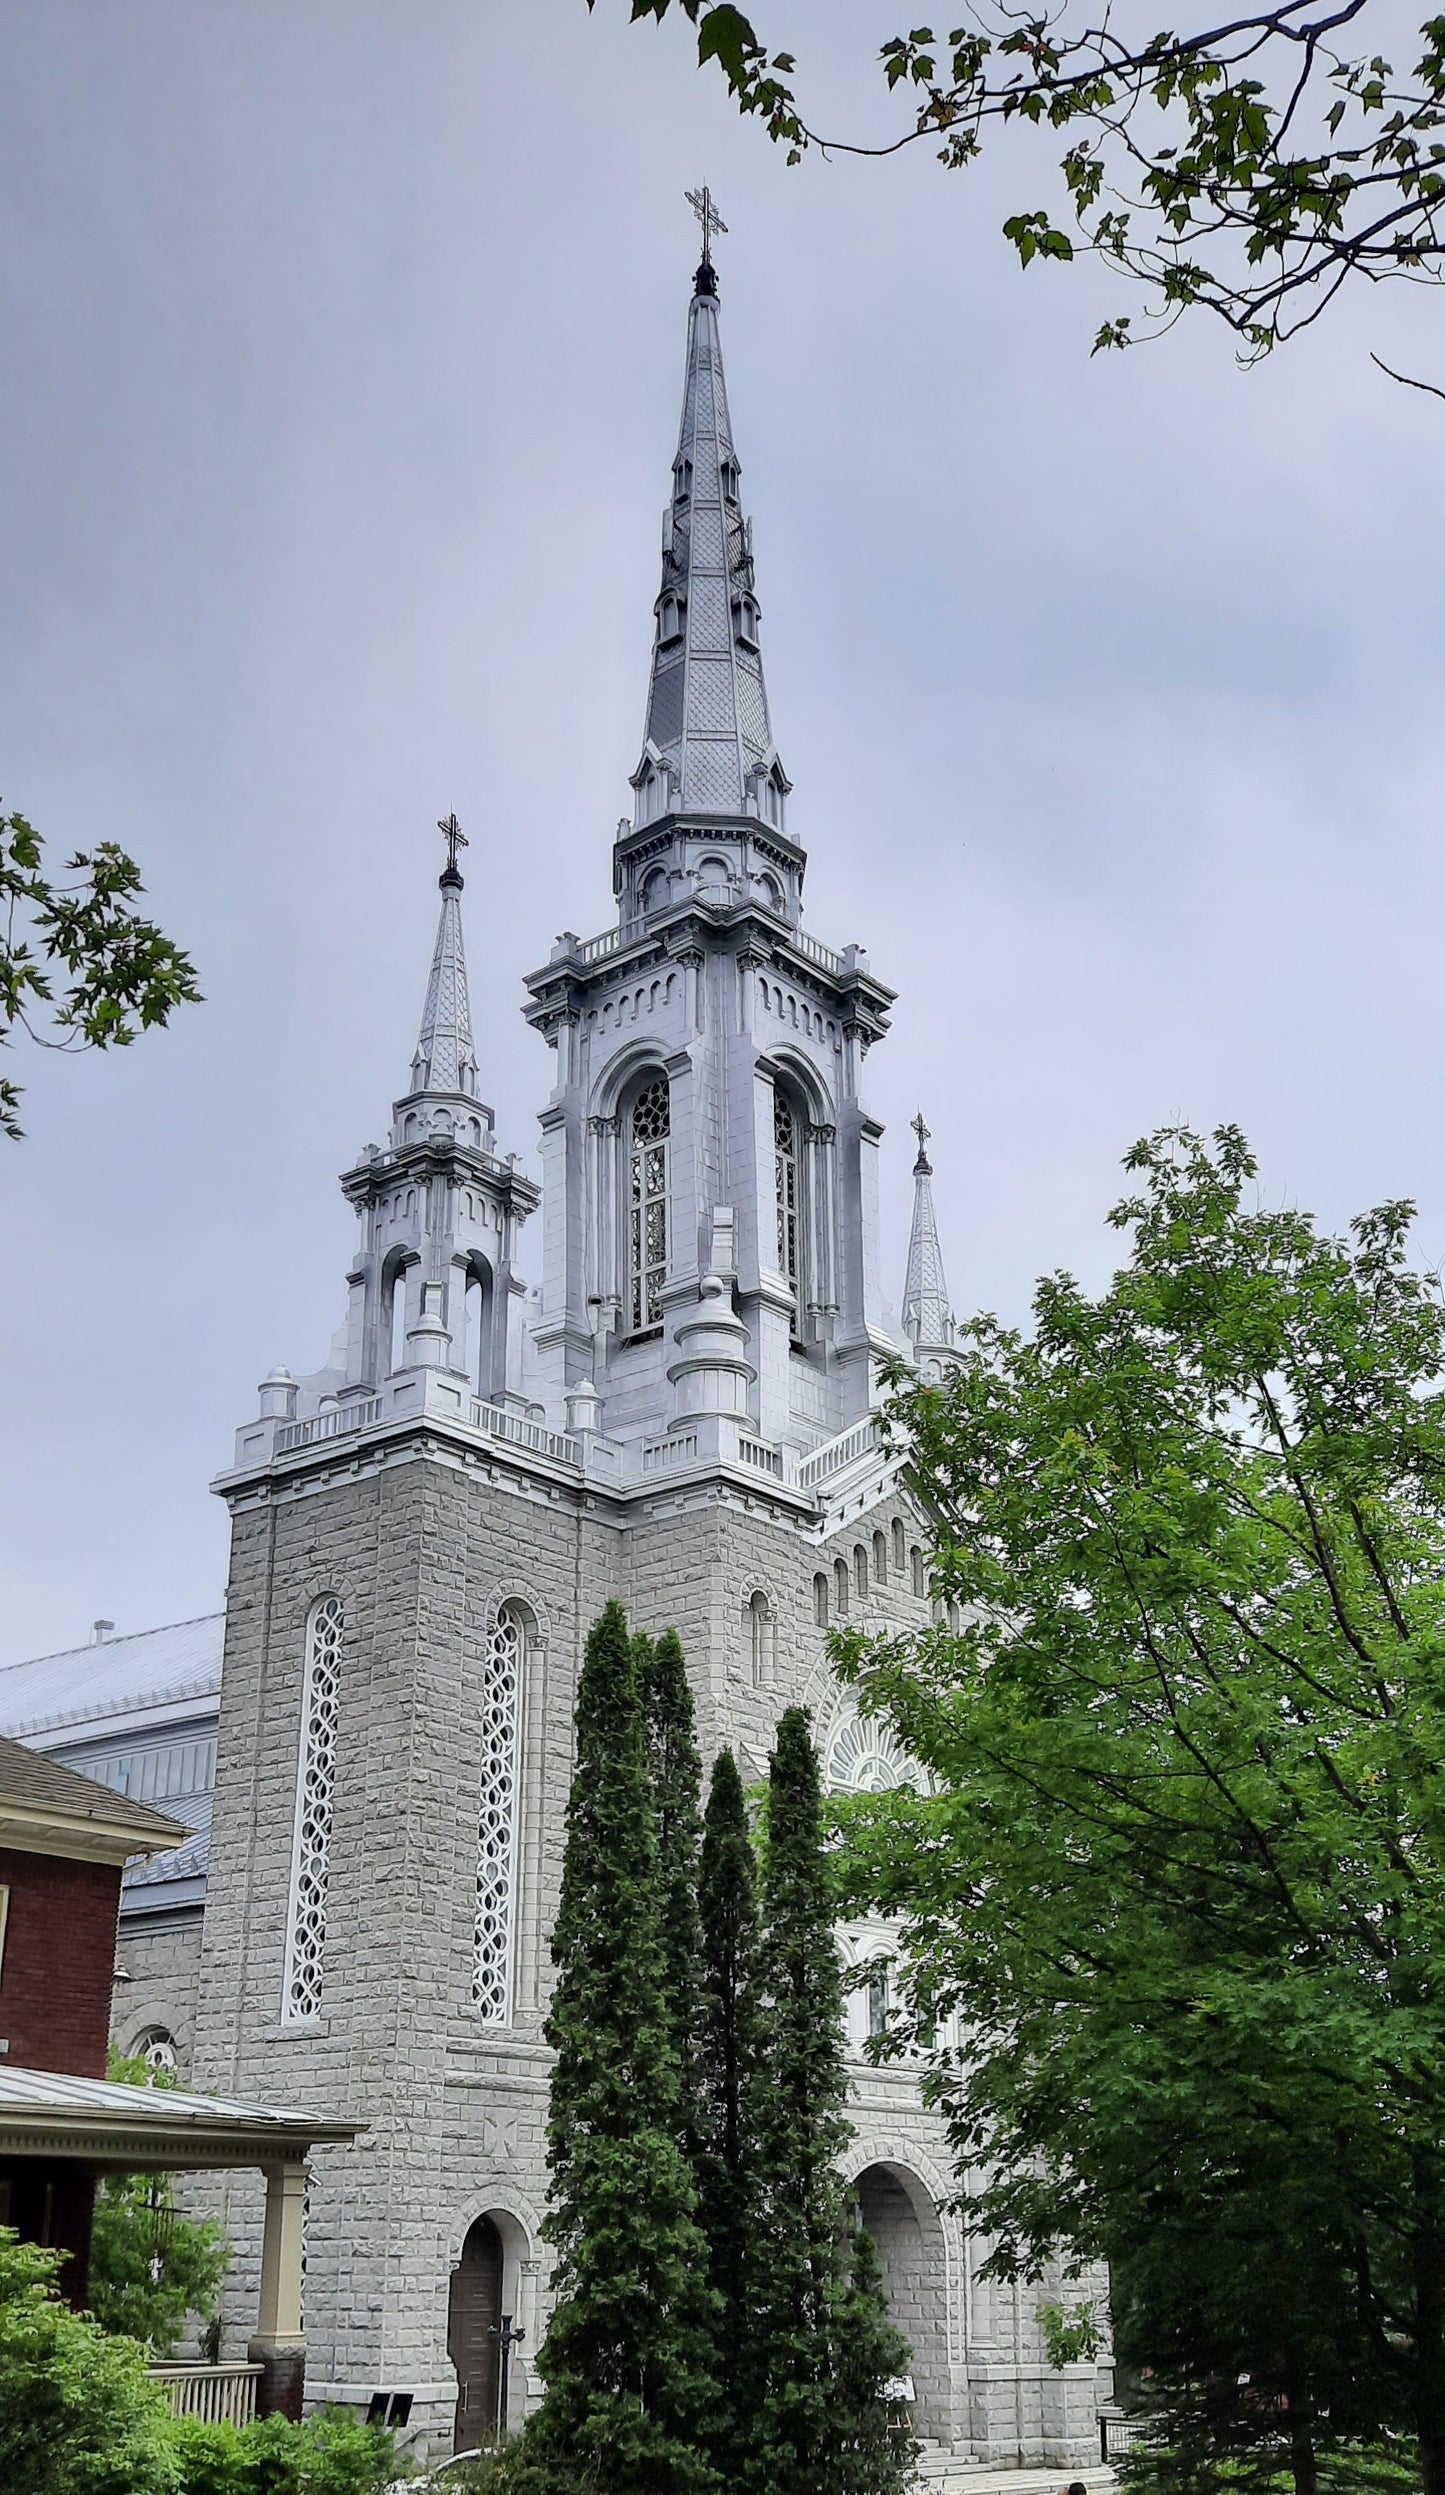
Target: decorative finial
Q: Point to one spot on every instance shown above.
(922, 1167)
(701, 204)
(451, 831)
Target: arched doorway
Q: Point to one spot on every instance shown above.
(474, 2313)
(899, 2215)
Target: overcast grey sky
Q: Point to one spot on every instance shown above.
(338, 393)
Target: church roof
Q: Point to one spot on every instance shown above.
(445, 1059)
(120, 1676)
(927, 1313)
(707, 706)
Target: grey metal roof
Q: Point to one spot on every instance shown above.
(29, 1778)
(183, 1863)
(154, 1668)
(158, 2121)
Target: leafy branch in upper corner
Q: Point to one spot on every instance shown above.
(121, 975)
(1252, 166)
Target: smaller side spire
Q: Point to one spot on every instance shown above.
(445, 1059)
(927, 1315)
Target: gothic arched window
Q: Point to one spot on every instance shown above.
(820, 1600)
(840, 1586)
(758, 1621)
(649, 1127)
(860, 1567)
(790, 1201)
(900, 1547)
(915, 1561)
(493, 1928)
(880, 1559)
(315, 1780)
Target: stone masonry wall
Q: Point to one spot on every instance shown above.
(422, 1544)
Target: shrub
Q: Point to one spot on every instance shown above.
(78, 2415)
(331, 2454)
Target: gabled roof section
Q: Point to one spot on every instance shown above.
(157, 1668)
(708, 728)
(49, 1809)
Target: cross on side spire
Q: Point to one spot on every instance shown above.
(927, 1315)
(445, 1059)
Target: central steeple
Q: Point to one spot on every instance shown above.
(708, 746)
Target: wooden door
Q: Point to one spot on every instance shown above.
(474, 2312)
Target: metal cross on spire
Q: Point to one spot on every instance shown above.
(455, 838)
(701, 204)
(922, 1132)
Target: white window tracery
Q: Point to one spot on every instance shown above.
(316, 1777)
(650, 1128)
(785, 1146)
(866, 1757)
(496, 1897)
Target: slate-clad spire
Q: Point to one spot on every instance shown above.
(709, 742)
(927, 1315)
(445, 1060)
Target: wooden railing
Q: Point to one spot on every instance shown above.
(221, 2395)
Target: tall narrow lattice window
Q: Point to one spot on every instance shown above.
(497, 1821)
(785, 1144)
(316, 1777)
(651, 1124)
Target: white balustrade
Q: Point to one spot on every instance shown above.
(220, 2395)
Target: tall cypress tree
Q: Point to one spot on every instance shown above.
(821, 2345)
(727, 1899)
(628, 2403)
(676, 1771)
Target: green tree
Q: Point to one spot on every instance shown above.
(121, 974)
(676, 1771)
(727, 1897)
(818, 2352)
(77, 2413)
(1252, 166)
(628, 2398)
(1183, 1866)
(151, 2267)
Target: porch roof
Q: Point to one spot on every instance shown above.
(105, 2123)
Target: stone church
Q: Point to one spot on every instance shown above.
(669, 1399)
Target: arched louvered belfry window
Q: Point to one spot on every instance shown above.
(790, 1201)
(649, 1127)
(315, 1782)
(494, 1926)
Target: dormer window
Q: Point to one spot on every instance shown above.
(671, 616)
(745, 619)
(683, 474)
(729, 474)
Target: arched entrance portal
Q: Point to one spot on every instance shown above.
(899, 2215)
(474, 2314)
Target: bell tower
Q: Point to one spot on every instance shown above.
(709, 1158)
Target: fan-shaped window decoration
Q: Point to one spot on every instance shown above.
(497, 1820)
(867, 1758)
(785, 1146)
(651, 1125)
(316, 1777)
(157, 2049)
